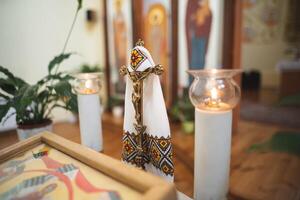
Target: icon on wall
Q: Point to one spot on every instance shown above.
(157, 36)
(198, 25)
(200, 37)
(119, 35)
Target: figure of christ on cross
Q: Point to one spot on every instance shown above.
(137, 77)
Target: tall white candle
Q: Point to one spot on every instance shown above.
(90, 121)
(212, 154)
(214, 94)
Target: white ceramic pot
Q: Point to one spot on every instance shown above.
(117, 111)
(26, 131)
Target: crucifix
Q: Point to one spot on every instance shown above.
(137, 78)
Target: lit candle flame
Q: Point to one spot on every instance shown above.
(214, 94)
(88, 84)
(88, 88)
(213, 100)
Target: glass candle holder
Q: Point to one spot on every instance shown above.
(87, 87)
(87, 83)
(214, 94)
(214, 89)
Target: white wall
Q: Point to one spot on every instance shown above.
(32, 32)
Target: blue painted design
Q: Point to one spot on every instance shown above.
(198, 54)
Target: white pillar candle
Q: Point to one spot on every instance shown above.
(212, 154)
(90, 121)
(214, 94)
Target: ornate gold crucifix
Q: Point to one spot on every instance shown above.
(137, 78)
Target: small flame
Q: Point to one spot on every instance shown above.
(214, 93)
(88, 88)
(88, 84)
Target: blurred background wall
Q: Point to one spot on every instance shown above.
(263, 44)
(33, 32)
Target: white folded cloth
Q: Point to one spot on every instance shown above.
(157, 145)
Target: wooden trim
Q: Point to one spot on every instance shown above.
(237, 54)
(227, 57)
(237, 42)
(232, 39)
(174, 52)
(19, 148)
(107, 63)
(150, 186)
(232, 34)
(137, 21)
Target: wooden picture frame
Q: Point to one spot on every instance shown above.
(141, 9)
(150, 186)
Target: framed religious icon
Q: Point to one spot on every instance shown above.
(157, 33)
(200, 33)
(119, 39)
(48, 166)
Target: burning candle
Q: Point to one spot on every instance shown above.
(87, 87)
(214, 94)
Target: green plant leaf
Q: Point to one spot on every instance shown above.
(292, 100)
(281, 141)
(20, 82)
(25, 97)
(7, 73)
(42, 96)
(30, 92)
(63, 89)
(61, 77)
(11, 79)
(58, 76)
(79, 4)
(3, 110)
(4, 96)
(64, 92)
(7, 86)
(57, 60)
(72, 104)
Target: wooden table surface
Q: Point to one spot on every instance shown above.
(253, 175)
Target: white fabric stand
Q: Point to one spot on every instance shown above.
(154, 109)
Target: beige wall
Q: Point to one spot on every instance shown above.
(264, 56)
(33, 31)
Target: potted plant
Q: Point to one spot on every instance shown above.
(116, 103)
(183, 111)
(33, 103)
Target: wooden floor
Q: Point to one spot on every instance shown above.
(253, 175)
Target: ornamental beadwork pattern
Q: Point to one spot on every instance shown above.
(136, 58)
(157, 151)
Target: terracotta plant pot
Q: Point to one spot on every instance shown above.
(26, 131)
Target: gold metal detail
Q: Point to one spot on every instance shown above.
(137, 77)
(140, 42)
